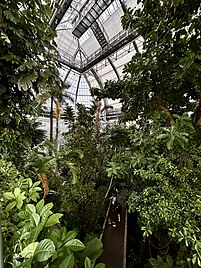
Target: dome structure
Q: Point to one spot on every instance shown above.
(92, 44)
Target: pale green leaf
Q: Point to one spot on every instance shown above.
(46, 209)
(70, 235)
(53, 219)
(29, 250)
(35, 218)
(40, 205)
(31, 208)
(87, 263)
(17, 192)
(19, 204)
(11, 205)
(8, 195)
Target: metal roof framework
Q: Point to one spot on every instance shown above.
(92, 44)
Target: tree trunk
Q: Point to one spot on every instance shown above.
(97, 120)
(58, 116)
(51, 121)
(164, 109)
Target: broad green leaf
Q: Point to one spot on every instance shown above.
(35, 218)
(63, 233)
(39, 206)
(70, 235)
(34, 196)
(68, 262)
(53, 219)
(17, 192)
(8, 195)
(46, 208)
(75, 245)
(169, 144)
(29, 250)
(73, 170)
(87, 263)
(11, 205)
(19, 204)
(36, 183)
(44, 250)
(31, 208)
(35, 233)
(162, 136)
(30, 183)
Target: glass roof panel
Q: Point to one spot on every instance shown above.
(84, 58)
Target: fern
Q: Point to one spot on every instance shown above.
(12, 15)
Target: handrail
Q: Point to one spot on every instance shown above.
(125, 241)
(105, 221)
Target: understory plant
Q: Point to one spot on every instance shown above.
(32, 234)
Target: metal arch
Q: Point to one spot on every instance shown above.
(114, 68)
(87, 80)
(102, 42)
(76, 93)
(65, 78)
(97, 78)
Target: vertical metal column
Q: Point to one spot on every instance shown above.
(1, 247)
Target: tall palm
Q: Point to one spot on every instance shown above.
(61, 100)
(59, 97)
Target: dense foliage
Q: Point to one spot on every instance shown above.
(29, 240)
(160, 163)
(155, 159)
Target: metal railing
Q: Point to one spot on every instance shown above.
(81, 65)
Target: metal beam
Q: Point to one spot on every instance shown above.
(59, 13)
(66, 77)
(124, 8)
(97, 78)
(101, 55)
(91, 16)
(123, 5)
(114, 68)
(110, 49)
(78, 83)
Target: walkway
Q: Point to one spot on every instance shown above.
(113, 245)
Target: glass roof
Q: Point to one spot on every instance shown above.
(92, 44)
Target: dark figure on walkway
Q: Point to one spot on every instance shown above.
(112, 214)
(113, 192)
(118, 211)
(112, 220)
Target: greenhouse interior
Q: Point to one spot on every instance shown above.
(100, 134)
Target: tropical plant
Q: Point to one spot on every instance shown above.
(164, 76)
(28, 239)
